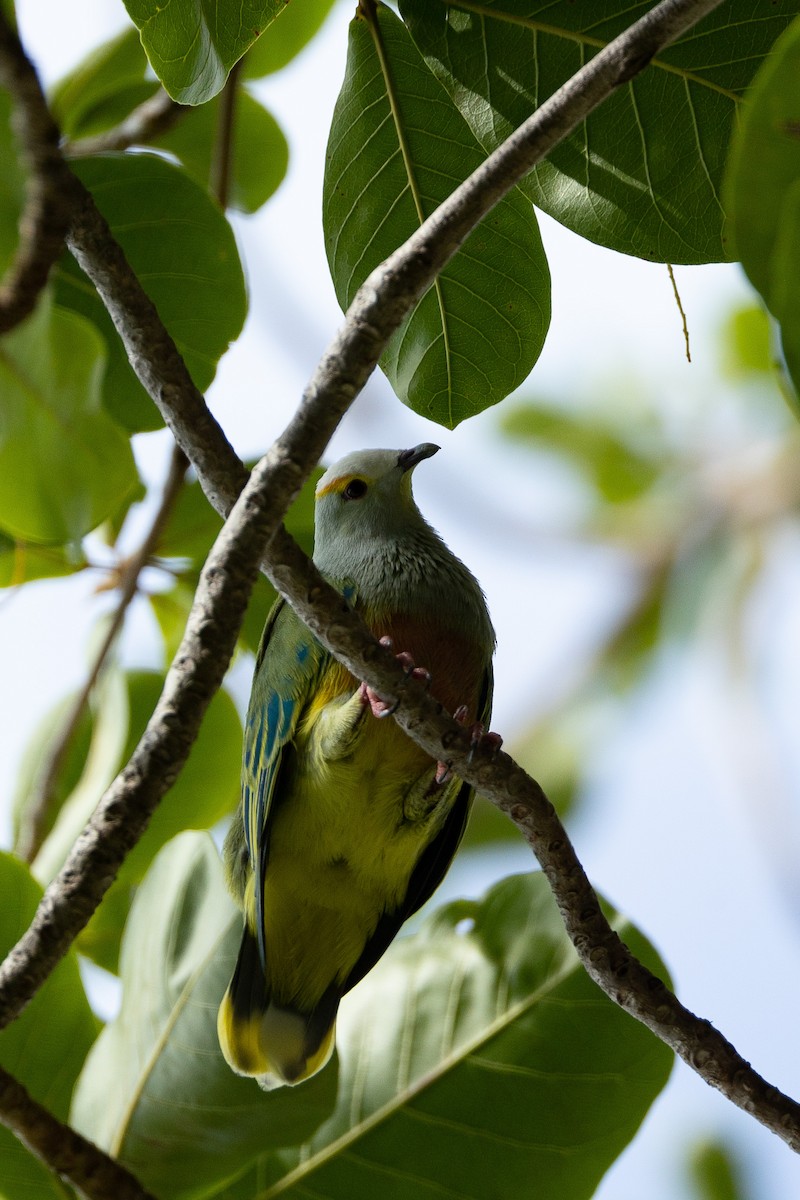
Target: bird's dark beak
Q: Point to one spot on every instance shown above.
(407, 459)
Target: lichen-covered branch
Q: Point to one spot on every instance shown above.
(49, 186)
(376, 312)
(94, 1173)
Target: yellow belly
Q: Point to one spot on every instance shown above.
(341, 852)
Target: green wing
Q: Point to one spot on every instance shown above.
(289, 664)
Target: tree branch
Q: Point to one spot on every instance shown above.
(88, 1168)
(48, 192)
(154, 116)
(377, 311)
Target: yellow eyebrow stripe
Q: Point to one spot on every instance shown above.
(339, 484)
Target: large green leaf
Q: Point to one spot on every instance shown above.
(192, 44)
(46, 1046)
(479, 1041)
(643, 173)
(763, 189)
(65, 465)
(398, 148)
(184, 253)
(156, 1091)
(284, 39)
(204, 792)
(479, 1054)
(115, 78)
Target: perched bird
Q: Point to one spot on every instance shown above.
(346, 826)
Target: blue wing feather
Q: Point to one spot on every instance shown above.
(288, 667)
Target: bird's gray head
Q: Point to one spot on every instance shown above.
(363, 497)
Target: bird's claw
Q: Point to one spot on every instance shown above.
(379, 707)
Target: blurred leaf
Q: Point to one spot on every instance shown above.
(207, 788)
(192, 44)
(476, 333)
(35, 757)
(103, 88)
(184, 253)
(715, 1173)
(171, 610)
(763, 189)
(12, 186)
(643, 173)
(64, 464)
(284, 39)
(189, 535)
(109, 712)
(46, 1046)
(747, 345)
(618, 470)
(156, 1091)
(628, 652)
(259, 157)
(100, 939)
(204, 792)
(480, 1043)
(22, 562)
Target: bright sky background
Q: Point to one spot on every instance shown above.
(676, 834)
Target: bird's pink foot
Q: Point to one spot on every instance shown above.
(479, 740)
(378, 706)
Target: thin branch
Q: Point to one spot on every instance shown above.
(604, 956)
(36, 813)
(48, 192)
(379, 308)
(88, 1168)
(224, 143)
(151, 118)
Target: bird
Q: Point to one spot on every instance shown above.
(345, 826)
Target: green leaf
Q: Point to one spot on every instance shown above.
(65, 465)
(36, 754)
(156, 1091)
(765, 161)
(715, 1172)
(113, 80)
(617, 470)
(103, 89)
(46, 1046)
(184, 253)
(479, 1052)
(22, 562)
(189, 534)
(206, 789)
(204, 792)
(12, 186)
(747, 348)
(284, 39)
(643, 173)
(260, 153)
(763, 190)
(192, 44)
(476, 333)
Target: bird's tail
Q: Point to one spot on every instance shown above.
(275, 1044)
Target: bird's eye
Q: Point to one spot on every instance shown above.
(355, 489)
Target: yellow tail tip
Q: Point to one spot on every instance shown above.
(271, 1045)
